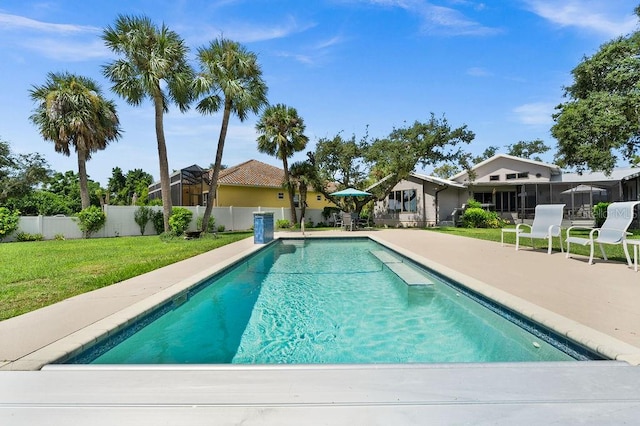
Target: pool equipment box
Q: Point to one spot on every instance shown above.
(262, 227)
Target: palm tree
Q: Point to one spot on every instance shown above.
(230, 76)
(153, 58)
(303, 175)
(72, 112)
(282, 134)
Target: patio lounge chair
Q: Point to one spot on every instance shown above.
(546, 225)
(613, 230)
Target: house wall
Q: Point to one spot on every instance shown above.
(244, 196)
(435, 203)
(504, 166)
(384, 216)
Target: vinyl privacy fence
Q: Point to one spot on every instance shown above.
(120, 221)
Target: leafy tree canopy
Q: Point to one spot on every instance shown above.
(20, 173)
(601, 118)
(122, 187)
(380, 164)
(528, 149)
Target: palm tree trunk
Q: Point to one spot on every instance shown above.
(85, 201)
(213, 184)
(165, 184)
(294, 216)
(303, 199)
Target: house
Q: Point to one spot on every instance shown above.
(249, 184)
(511, 186)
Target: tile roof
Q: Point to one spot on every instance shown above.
(252, 173)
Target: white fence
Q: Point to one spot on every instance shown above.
(120, 221)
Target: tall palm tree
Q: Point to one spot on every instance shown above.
(72, 113)
(229, 77)
(152, 59)
(281, 135)
(303, 175)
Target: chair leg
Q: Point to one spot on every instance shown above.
(550, 242)
(604, 255)
(591, 255)
(567, 255)
(626, 252)
(517, 241)
(560, 238)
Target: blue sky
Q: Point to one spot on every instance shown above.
(497, 66)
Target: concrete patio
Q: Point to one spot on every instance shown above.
(593, 304)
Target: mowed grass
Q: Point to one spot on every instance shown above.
(614, 252)
(37, 274)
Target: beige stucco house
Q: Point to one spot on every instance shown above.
(510, 185)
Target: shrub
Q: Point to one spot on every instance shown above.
(142, 216)
(210, 226)
(283, 223)
(180, 220)
(220, 228)
(473, 204)
(59, 237)
(157, 220)
(8, 221)
(24, 236)
(600, 213)
(476, 217)
(91, 220)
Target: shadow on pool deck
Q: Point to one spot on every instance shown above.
(603, 297)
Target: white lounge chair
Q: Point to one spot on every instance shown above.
(613, 230)
(546, 225)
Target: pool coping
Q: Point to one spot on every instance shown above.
(598, 342)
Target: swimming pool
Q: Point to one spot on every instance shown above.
(329, 301)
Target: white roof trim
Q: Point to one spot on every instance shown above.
(437, 180)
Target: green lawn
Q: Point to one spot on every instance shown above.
(37, 274)
(614, 252)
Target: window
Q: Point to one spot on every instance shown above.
(510, 176)
(280, 195)
(523, 175)
(494, 177)
(405, 201)
(319, 197)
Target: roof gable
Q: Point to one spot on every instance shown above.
(252, 173)
(554, 170)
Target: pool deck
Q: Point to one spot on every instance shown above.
(597, 305)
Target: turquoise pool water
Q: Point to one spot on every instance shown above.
(325, 301)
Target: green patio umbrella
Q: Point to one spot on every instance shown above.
(350, 192)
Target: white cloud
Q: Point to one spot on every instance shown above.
(478, 72)
(604, 17)
(71, 51)
(11, 22)
(249, 33)
(538, 113)
(440, 19)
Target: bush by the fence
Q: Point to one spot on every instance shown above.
(91, 220)
(157, 220)
(180, 220)
(142, 216)
(211, 226)
(8, 221)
